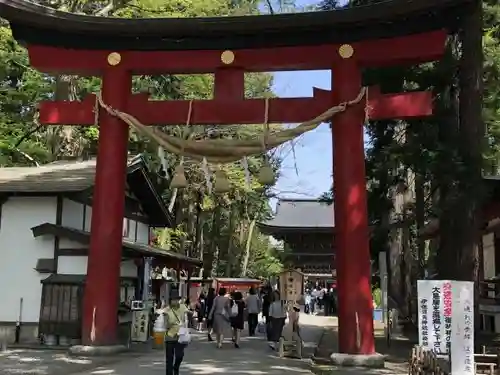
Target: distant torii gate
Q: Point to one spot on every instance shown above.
(230, 107)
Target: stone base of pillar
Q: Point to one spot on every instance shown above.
(337, 361)
(96, 351)
(375, 360)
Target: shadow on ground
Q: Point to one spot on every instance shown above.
(23, 361)
(202, 358)
(396, 351)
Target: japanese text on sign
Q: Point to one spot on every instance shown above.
(424, 328)
(435, 315)
(467, 335)
(447, 314)
(436, 318)
(462, 328)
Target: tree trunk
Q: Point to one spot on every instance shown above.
(229, 254)
(420, 221)
(408, 259)
(471, 146)
(446, 173)
(471, 136)
(246, 259)
(209, 256)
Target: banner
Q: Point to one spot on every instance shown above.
(434, 315)
(446, 321)
(462, 347)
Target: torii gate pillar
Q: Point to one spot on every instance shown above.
(351, 214)
(101, 298)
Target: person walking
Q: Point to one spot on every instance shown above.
(266, 303)
(308, 302)
(237, 318)
(200, 311)
(326, 303)
(208, 307)
(277, 313)
(253, 305)
(175, 318)
(220, 314)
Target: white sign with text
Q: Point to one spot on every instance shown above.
(445, 321)
(462, 346)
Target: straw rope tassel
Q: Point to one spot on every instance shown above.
(266, 173)
(227, 150)
(179, 180)
(244, 163)
(222, 184)
(206, 173)
(367, 107)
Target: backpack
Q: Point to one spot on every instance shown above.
(234, 309)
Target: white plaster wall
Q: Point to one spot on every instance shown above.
(142, 233)
(72, 214)
(128, 269)
(77, 215)
(72, 265)
(72, 217)
(77, 265)
(489, 255)
(130, 234)
(88, 218)
(19, 251)
(129, 229)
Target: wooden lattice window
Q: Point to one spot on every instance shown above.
(60, 310)
(60, 303)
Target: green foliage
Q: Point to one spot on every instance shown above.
(425, 161)
(377, 297)
(208, 225)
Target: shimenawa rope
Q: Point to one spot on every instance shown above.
(222, 151)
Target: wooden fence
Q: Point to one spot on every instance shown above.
(426, 362)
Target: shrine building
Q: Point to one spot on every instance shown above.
(307, 229)
(45, 216)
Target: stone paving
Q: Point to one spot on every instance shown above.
(202, 358)
(48, 362)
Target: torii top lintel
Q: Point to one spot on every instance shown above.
(35, 24)
(388, 33)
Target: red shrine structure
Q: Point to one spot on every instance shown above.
(344, 41)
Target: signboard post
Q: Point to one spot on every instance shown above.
(383, 288)
(462, 345)
(446, 321)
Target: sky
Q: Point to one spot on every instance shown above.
(307, 172)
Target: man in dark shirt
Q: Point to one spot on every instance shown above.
(266, 303)
(327, 303)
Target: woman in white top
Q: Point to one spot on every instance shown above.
(277, 314)
(253, 304)
(219, 314)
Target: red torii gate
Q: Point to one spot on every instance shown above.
(229, 106)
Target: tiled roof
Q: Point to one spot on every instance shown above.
(62, 176)
(302, 213)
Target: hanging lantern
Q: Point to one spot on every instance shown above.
(179, 181)
(222, 184)
(266, 174)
